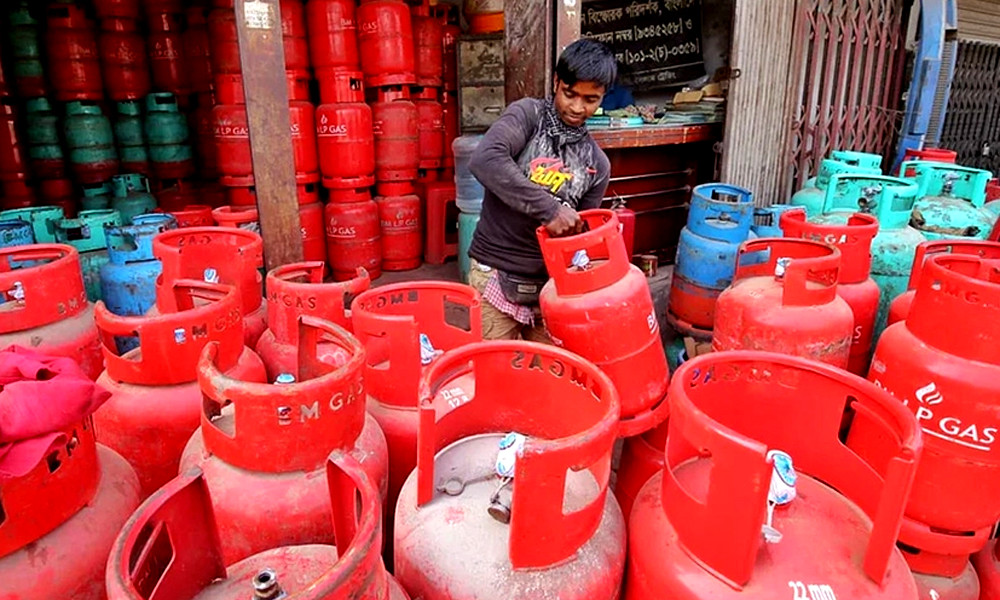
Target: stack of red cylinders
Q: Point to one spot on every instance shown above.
(294, 36)
(353, 234)
(13, 160)
(449, 92)
(225, 48)
(74, 66)
(344, 132)
(123, 58)
(428, 33)
(399, 217)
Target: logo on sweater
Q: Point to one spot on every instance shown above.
(548, 173)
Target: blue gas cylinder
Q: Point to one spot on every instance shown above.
(466, 228)
(719, 220)
(951, 200)
(891, 201)
(128, 280)
(132, 196)
(86, 234)
(15, 232)
(811, 197)
(42, 220)
(765, 220)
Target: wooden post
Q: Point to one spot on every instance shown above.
(528, 48)
(258, 23)
(567, 23)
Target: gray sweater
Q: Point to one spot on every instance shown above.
(527, 172)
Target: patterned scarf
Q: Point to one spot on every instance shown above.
(560, 132)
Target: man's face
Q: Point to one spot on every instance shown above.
(576, 103)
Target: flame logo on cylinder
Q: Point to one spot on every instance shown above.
(929, 394)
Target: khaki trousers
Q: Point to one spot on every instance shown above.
(498, 325)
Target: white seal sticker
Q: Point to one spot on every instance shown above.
(258, 15)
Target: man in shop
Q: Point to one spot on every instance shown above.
(539, 166)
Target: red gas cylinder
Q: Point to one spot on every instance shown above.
(203, 127)
(900, 307)
(641, 458)
(16, 194)
(74, 67)
(388, 321)
(449, 55)
(385, 42)
(333, 37)
(987, 564)
(45, 305)
(67, 509)
(449, 108)
(194, 215)
(854, 240)
(155, 399)
(943, 363)
(264, 472)
(176, 194)
(344, 133)
(13, 150)
(737, 422)
(993, 190)
(219, 255)
(395, 126)
(295, 290)
(604, 312)
(247, 196)
(197, 50)
(402, 231)
(237, 217)
(224, 43)
(117, 9)
(784, 299)
(166, 54)
(58, 192)
(294, 36)
(184, 561)
(353, 234)
(431, 134)
(626, 216)
(123, 59)
(427, 39)
(313, 232)
(521, 543)
(928, 154)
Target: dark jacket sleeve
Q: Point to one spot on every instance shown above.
(493, 163)
(593, 197)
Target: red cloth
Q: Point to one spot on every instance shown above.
(40, 397)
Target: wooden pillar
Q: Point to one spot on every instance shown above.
(258, 23)
(756, 123)
(528, 48)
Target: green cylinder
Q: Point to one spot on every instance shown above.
(96, 196)
(44, 143)
(168, 137)
(25, 43)
(131, 137)
(86, 234)
(132, 196)
(950, 201)
(466, 228)
(90, 141)
(42, 219)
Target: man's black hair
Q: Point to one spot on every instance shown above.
(587, 60)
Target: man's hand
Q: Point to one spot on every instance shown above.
(566, 222)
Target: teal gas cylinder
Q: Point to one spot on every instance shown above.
(811, 197)
(42, 219)
(131, 196)
(90, 141)
(167, 136)
(96, 196)
(891, 201)
(131, 137)
(44, 142)
(86, 234)
(951, 200)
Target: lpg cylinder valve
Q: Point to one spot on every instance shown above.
(511, 447)
(427, 350)
(781, 490)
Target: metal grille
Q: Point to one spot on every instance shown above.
(844, 84)
(972, 125)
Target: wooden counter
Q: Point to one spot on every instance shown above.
(655, 135)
